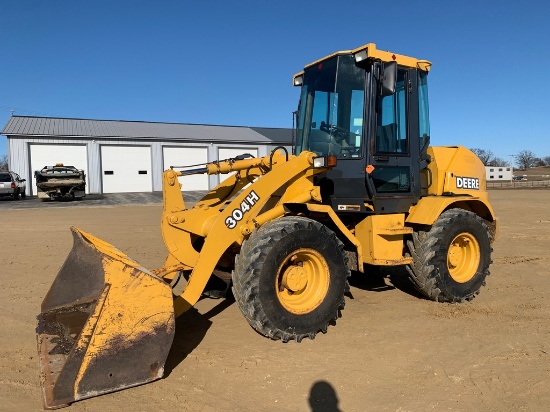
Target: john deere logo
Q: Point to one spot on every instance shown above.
(467, 183)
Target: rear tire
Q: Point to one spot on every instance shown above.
(451, 260)
(290, 278)
(23, 195)
(16, 195)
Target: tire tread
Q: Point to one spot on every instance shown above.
(423, 248)
(248, 263)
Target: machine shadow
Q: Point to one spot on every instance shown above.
(191, 328)
(383, 279)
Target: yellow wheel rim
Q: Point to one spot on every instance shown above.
(463, 257)
(302, 281)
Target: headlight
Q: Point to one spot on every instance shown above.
(360, 56)
(324, 161)
(319, 161)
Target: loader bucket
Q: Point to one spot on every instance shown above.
(106, 324)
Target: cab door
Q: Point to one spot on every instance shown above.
(392, 174)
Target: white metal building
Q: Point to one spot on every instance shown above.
(495, 173)
(129, 156)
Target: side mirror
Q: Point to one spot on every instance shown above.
(389, 78)
(23, 180)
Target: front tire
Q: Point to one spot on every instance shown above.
(290, 278)
(451, 260)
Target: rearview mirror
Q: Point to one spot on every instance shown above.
(389, 78)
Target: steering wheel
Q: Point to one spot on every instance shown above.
(339, 133)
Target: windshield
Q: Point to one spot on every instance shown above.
(330, 115)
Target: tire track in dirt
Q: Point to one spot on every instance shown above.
(538, 238)
(515, 260)
(21, 384)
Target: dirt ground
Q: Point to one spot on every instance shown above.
(391, 350)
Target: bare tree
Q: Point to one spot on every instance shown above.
(497, 162)
(525, 159)
(4, 162)
(546, 160)
(484, 155)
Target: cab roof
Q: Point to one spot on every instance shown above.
(373, 53)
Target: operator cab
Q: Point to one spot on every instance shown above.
(369, 108)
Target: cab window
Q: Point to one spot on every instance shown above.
(391, 131)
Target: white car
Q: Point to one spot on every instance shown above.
(12, 185)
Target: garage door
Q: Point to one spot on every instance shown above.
(181, 156)
(50, 154)
(226, 153)
(126, 169)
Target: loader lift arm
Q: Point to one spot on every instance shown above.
(220, 223)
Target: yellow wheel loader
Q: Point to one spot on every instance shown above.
(362, 186)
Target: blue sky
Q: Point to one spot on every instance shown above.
(231, 63)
